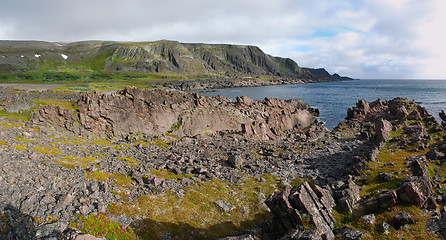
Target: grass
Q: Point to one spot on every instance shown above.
(47, 150)
(73, 162)
(100, 225)
(18, 117)
(56, 102)
(169, 175)
(196, 215)
(413, 232)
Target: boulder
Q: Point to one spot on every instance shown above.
(401, 219)
(414, 190)
(346, 233)
(383, 129)
(288, 205)
(346, 196)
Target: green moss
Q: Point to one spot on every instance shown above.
(100, 225)
(100, 176)
(129, 160)
(20, 147)
(47, 150)
(413, 232)
(20, 117)
(169, 175)
(72, 162)
(195, 215)
(56, 102)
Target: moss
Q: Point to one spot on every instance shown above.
(3, 143)
(388, 160)
(47, 150)
(129, 160)
(100, 225)
(100, 176)
(413, 232)
(20, 147)
(20, 117)
(169, 175)
(56, 102)
(73, 162)
(196, 215)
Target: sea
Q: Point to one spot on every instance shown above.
(334, 98)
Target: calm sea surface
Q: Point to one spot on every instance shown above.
(334, 98)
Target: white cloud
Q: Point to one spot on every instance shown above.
(364, 39)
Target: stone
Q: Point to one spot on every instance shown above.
(68, 199)
(385, 177)
(235, 161)
(368, 219)
(121, 219)
(224, 206)
(286, 216)
(434, 155)
(52, 230)
(401, 219)
(385, 227)
(383, 129)
(347, 233)
(157, 181)
(303, 198)
(414, 190)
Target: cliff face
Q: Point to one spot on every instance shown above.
(158, 56)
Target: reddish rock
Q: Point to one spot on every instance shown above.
(383, 129)
(157, 112)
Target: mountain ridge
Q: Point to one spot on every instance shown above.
(163, 56)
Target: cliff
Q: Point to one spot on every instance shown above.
(159, 57)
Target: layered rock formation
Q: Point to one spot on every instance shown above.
(157, 112)
(159, 56)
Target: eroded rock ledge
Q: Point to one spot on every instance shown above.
(134, 111)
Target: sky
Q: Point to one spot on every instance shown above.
(355, 38)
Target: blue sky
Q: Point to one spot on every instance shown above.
(361, 39)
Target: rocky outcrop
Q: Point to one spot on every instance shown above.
(157, 112)
(292, 205)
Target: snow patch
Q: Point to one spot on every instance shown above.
(37, 55)
(64, 56)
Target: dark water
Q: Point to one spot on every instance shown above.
(334, 98)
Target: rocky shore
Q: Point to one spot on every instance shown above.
(160, 164)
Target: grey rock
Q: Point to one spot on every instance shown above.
(235, 161)
(53, 230)
(347, 233)
(224, 206)
(401, 219)
(368, 219)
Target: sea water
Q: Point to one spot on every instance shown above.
(334, 98)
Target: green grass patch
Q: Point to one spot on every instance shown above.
(413, 232)
(20, 147)
(56, 102)
(47, 150)
(169, 175)
(129, 160)
(73, 162)
(20, 117)
(196, 216)
(100, 225)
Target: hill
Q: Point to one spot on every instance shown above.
(193, 59)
